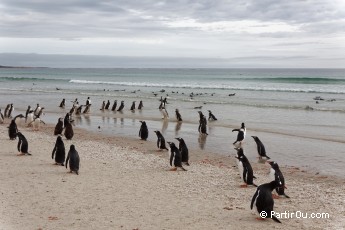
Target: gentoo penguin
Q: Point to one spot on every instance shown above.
(260, 147)
(175, 157)
(241, 134)
(6, 110)
(67, 119)
(107, 105)
(75, 102)
(40, 112)
(22, 145)
(72, 110)
(27, 112)
(183, 150)
(69, 131)
(240, 153)
(59, 151)
(203, 126)
(63, 103)
(88, 101)
(247, 175)
(277, 175)
(165, 114)
(10, 110)
(18, 119)
(59, 127)
(12, 130)
(30, 118)
(103, 106)
(133, 106)
(2, 118)
(178, 115)
(79, 110)
(113, 108)
(87, 109)
(143, 132)
(141, 105)
(263, 201)
(73, 158)
(160, 140)
(211, 116)
(122, 105)
(37, 110)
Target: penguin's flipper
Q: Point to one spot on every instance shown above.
(254, 198)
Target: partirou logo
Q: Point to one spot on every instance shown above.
(297, 214)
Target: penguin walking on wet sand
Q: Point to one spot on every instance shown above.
(175, 158)
(12, 130)
(203, 126)
(6, 110)
(143, 132)
(67, 119)
(277, 175)
(87, 109)
(248, 174)
(79, 110)
(160, 140)
(2, 118)
(23, 145)
(10, 110)
(178, 115)
(165, 114)
(263, 201)
(59, 127)
(241, 134)
(103, 106)
(260, 147)
(183, 150)
(113, 108)
(122, 105)
(88, 101)
(59, 151)
(107, 105)
(63, 103)
(74, 160)
(69, 131)
(211, 117)
(140, 106)
(133, 106)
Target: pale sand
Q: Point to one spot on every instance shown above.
(125, 184)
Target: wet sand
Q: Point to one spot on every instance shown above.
(125, 183)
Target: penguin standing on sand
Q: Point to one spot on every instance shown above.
(59, 127)
(175, 157)
(27, 112)
(143, 132)
(67, 119)
(248, 174)
(113, 108)
(12, 130)
(178, 115)
(160, 140)
(133, 106)
(74, 160)
(6, 110)
(203, 125)
(183, 150)
(277, 175)
(2, 118)
(260, 147)
(88, 101)
(240, 153)
(140, 106)
(263, 201)
(30, 118)
(107, 105)
(63, 103)
(241, 134)
(59, 151)
(37, 110)
(103, 106)
(10, 110)
(69, 131)
(122, 105)
(211, 116)
(23, 145)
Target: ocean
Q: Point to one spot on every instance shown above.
(297, 113)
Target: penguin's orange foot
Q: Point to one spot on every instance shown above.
(243, 186)
(20, 154)
(274, 196)
(173, 169)
(259, 218)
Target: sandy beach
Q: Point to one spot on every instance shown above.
(126, 184)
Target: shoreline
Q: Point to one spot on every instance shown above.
(124, 184)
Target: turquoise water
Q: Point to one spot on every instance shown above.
(276, 104)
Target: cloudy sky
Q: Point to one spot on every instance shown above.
(176, 33)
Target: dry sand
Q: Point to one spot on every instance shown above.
(125, 184)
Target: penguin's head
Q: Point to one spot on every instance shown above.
(72, 148)
(273, 164)
(171, 144)
(242, 126)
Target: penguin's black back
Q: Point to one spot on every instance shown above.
(59, 151)
(12, 130)
(73, 158)
(59, 127)
(143, 132)
(183, 150)
(23, 145)
(69, 131)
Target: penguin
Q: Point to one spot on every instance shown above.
(87, 109)
(203, 126)
(103, 106)
(40, 112)
(263, 201)
(27, 112)
(161, 106)
(63, 103)
(12, 130)
(211, 116)
(143, 132)
(183, 150)
(247, 175)
(18, 119)
(160, 140)
(88, 101)
(7, 110)
(165, 114)
(10, 110)
(107, 105)
(37, 110)
(241, 134)
(36, 123)
(2, 118)
(240, 153)
(22, 145)
(140, 106)
(133, 106)
(79, 110)
(69, 131)
(260, 147)
(30, 118)
(175, 157)
(67, 119)
(59, 127)
(59, 151)
(113, 108)
(74, 160)
(277, 175)
(75, 102)
(178, 115)
(122, 105)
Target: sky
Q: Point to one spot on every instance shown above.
(173, 33)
